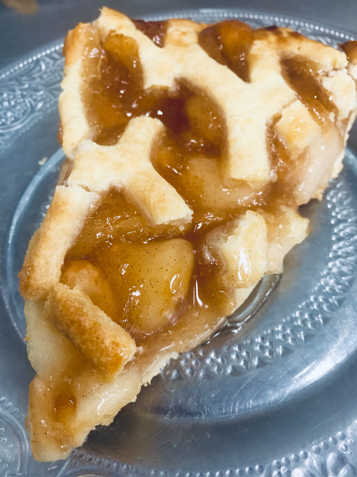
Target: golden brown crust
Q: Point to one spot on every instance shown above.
(105, 344)
(80, 44)
(44, 258)
(293, 43)
(350, 48)
(90, 347)
(127, 165)
(74, 45)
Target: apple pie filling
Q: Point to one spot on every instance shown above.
(189, 150)
(146, 276)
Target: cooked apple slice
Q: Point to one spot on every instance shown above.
(150, 281)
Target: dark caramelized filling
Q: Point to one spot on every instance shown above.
(147, 277)
(280, 159)
(154, 30)
(301, 74)
(118, 219)
(350, 48)
(115, 95)
(197, 180)
(117, 257)
(229, 43)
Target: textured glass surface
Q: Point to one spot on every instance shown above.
(252, 401)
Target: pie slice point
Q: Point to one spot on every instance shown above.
(189, 149)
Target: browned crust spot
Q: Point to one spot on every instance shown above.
(105, 344)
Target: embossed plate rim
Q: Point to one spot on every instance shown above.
(210, 361)
(283, 465)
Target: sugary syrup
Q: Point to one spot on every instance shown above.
(118, 255)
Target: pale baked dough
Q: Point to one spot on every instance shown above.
(127, 165)
(66, 331)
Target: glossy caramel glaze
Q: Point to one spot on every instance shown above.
(229, 43)
(350, 48)
(154, 30)
(65, 407)
(117, 250)
(301, 75)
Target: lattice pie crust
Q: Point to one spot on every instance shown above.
(189, 149)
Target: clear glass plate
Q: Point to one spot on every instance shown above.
(272, 397)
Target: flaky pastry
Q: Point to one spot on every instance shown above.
(189, 149)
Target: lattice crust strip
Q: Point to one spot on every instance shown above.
(67, 332)
(127, 165)
(247, 108)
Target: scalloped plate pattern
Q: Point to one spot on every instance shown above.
(28, 93)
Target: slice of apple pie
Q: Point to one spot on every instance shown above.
(189, 149)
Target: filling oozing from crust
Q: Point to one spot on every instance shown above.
(170, 283)
(145, 276)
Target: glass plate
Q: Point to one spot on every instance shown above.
(272, 397)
